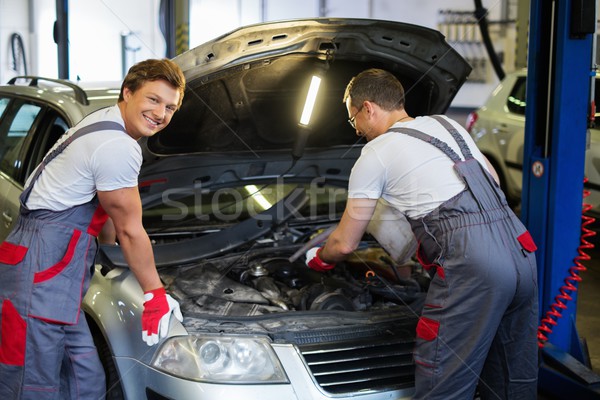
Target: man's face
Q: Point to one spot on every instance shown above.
(353, 116)
(149, 109)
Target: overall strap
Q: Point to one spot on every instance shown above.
(477, 179)
(431, 140)
(464, 148)
(95, 127)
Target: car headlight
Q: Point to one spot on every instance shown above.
(220, 359)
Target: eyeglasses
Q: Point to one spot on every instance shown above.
(352, 120)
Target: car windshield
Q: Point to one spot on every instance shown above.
(218, 207)
(516, 101)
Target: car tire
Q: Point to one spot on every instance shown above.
(114, 391)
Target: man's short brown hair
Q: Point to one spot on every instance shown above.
(378, 86)
(153, 70)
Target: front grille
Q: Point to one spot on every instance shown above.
(369, 364)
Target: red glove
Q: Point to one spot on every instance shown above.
(314, 261)
(158, 306)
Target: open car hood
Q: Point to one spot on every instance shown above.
(246, 89)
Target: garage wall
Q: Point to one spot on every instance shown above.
(211, 18)
(13, 20)
(95, 41)
(96, 27)
(100, 28)
(95, 38)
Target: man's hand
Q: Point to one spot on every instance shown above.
(158, 306)
(314, 262)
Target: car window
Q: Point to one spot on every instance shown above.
(516, 101)
(49, 132)
(3, 104)
(14, 138)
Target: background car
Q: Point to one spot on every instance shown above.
(34, 113)
(498, 128)
(234, 190)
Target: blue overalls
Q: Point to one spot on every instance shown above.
(46, 349)
(479, 322)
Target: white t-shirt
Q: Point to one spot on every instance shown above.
(103, 160)
(413, 176)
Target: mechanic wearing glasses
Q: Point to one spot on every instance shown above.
(480, 317)
(46, 349)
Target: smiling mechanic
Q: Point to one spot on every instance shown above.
(46, 349)
(480, 317)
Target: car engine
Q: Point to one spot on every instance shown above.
(258, 284)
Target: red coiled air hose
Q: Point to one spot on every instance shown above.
(572, 279)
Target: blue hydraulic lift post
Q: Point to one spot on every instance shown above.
(558, 87)
(558, 92)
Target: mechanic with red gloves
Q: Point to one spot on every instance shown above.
(479, 321)
(91, 173)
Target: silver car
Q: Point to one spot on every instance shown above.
(498, 127)
(34, 113)
(234, 190)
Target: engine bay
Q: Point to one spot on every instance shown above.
(251, 284)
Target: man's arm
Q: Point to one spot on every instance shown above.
(124, 207)
(107, 234)
(346, 237)
(492, 170)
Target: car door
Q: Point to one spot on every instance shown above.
(27, 131)
(18, 122)
(592, 158)
(4, 103)
(511, 132)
